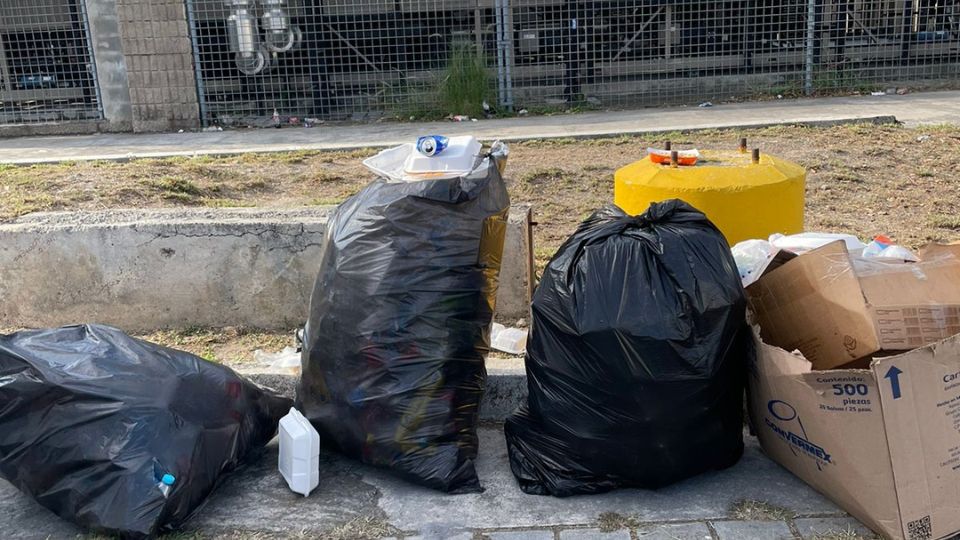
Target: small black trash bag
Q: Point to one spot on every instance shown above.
(393, 359)
(92, 420)
(636, 357)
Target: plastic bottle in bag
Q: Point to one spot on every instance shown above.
(877, 246)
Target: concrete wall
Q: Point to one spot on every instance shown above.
(146, 269)
(111, 65)
(159, 63)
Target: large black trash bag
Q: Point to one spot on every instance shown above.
(393, 359)
(92, 419)
(636, 357)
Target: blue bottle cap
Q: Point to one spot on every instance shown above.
(168, 479)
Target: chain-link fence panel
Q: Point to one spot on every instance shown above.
(47, 72)
(268, 62)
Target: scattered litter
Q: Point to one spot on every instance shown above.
(299, 461)
(458, 118)
(882, 247)
(902, 91)
(523, 112)
(923, 138)
(686, 158)
(121, 436)
(779, 96)
(288, 359)
(180, 131)
(803, 242)
(878, 93)
(212, 129)
(508, 340)
(752, 257)
(293, 121)
(705, 104)
(623, 396)
(457, 156)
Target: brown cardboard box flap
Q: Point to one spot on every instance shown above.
(920, 394)
(814, 304)
(827, 428)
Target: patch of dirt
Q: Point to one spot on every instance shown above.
(863, 179)
(232, 345)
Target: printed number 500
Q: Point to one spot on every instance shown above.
(850, 389)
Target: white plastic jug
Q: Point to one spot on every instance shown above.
(299, 453)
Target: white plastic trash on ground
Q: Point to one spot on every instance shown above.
(287, 360)
(508, 340)
(299, 453)
(405, 163)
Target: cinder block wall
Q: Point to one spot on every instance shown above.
(159, 62)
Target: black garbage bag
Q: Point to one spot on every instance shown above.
(92, 420)
(393, 358)
(636, 357)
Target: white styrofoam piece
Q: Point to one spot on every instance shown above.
(299, 453)
(405, 164)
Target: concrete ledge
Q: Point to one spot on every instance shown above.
(142, 270)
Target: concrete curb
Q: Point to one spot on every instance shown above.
(142, 270)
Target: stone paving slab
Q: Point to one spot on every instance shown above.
(831, 526)
(256, 501)
(594, 534)
(769, 530)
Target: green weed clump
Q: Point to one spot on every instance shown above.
(466, 83)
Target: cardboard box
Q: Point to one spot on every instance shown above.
(818, 304)
(883, 443)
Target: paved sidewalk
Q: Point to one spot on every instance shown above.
(255, 503)
(912, 109)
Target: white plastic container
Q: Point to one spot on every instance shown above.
(508, 340)
(299, 453)
(405, 164)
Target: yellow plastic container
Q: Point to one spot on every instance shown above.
(743, 199)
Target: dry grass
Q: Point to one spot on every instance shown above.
(750, 510)
(232, 345)
(863, 179)
(612, 521)
(361, 528)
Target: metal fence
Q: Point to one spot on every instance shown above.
(361, 59)
(46, 65)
